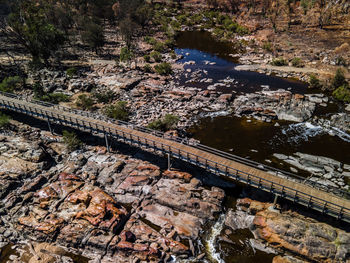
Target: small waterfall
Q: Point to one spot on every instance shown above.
(212, 240)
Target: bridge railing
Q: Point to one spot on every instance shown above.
(297, 196)
(195, 144)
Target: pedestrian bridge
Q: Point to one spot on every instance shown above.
(327, 200)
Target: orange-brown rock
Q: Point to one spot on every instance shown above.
(47, 226)
(177, 174)
(316, 241)
(67, 176)
(103, 211)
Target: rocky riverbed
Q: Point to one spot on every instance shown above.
(321, 169)
(105, 206)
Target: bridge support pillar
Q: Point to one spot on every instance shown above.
(169, 162)
(275, 201)
(49, 124)
(107, 144)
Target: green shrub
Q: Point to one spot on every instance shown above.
(241, 30)
(279, 62)
(267, 46)
(173, 54)
(71, 141)
(159, 46)
(163, 68)
(181, 19)
(38, 90)
(297, 62)
(118, 111)
(219, 32)
(340, 61)
(170, 121)
(147, 39)
(104, 97)
(150, 40)
(314, 82)
(10, 84)
(4, 121)
(126, 54)
(339, 79)
(71, 72)
(156, 56)
(147, 68)
(170, 42)
(305, 5)
(156, 125)
(147, 58)
(175, 25)
(84, 102)
(342, 93)
(167, 123)
(55, 98)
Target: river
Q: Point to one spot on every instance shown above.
(247, 137)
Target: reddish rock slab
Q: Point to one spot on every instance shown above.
(177, 174)
(164, 217)
(103, 211)
(73, 234)
(188, 197)
(40, 229)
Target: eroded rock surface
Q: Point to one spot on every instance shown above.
(106, 206)
(281, 104)
(294, 233)
(323, 170)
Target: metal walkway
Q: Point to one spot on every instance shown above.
(327, 200)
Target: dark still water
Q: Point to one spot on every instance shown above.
(217, 61)
(258, 140)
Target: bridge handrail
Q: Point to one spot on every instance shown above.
(192, 143)
(308, 199)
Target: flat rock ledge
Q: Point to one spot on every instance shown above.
(298, 238)
(108, 207)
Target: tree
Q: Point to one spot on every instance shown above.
(266, 4)
(212, 3)
(131, 14)
(30, 27)
(339, 79)
(274, 12)
(93, 36)
(127, 28)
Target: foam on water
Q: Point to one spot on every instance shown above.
(300, 132)
(341, 134)
(211, 242)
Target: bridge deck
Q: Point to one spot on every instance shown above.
(322, 201)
